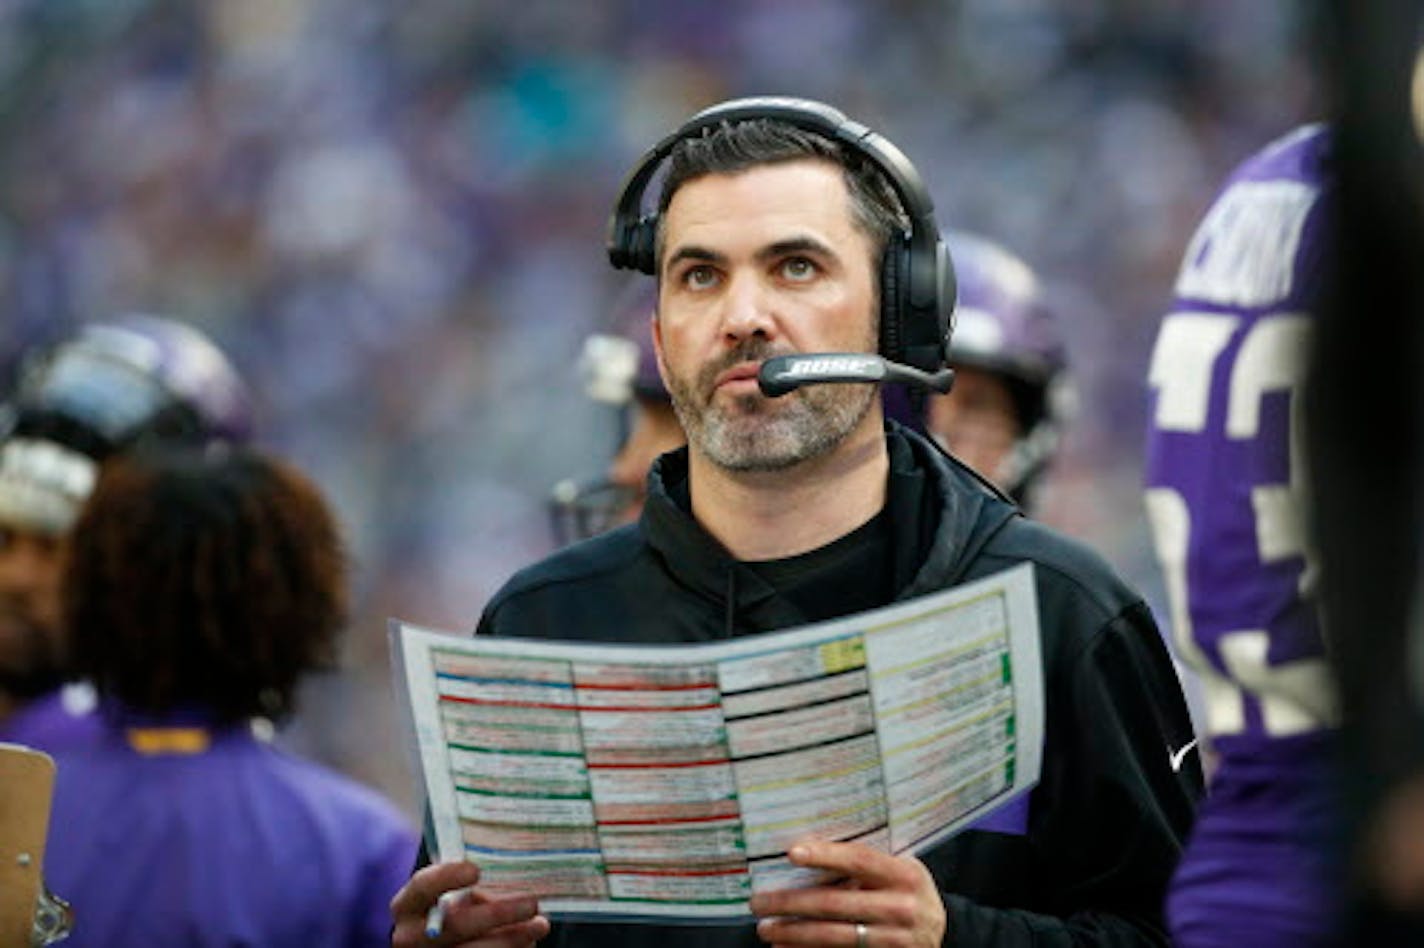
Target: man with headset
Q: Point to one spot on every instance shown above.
(785, 228)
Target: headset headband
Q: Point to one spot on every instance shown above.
(805, 114)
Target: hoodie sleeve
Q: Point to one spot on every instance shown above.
(1110, 814)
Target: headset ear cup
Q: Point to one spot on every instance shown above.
(643, 245)
(892, 300)
(948, 302)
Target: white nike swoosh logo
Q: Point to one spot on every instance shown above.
(1175, 757)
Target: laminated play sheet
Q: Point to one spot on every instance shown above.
(667, 782)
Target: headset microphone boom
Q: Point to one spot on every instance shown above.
(782, 374)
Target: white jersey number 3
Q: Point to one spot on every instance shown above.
(1295, 696)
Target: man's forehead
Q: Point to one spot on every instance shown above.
(764, 204)
(781, 177)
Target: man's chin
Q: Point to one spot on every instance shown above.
(750, 444)
(28, 665)
(745, 404)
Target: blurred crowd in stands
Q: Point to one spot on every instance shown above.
(392, 216)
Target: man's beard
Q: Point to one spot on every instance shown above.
(29, 663)
(751, 433)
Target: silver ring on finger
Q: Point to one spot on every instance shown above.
(862, 935)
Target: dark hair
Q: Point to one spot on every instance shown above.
(211, 578)
(728, 148)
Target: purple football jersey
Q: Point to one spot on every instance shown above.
(1226, 497)
(164, 832)
(1225, 477)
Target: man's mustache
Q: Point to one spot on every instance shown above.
(748, 350)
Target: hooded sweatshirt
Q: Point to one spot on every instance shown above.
(1086, 858)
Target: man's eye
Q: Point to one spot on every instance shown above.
(798, 269)
(699, 277)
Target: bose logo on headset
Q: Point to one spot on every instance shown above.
(917, 287)
(831, 365)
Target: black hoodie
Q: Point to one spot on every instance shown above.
(1090, 863)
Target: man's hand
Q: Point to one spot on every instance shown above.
(470, 918)
(893, 897)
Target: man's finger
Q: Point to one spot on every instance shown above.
(786, 931)
(870, 867)
(422, 889)
(467, 919)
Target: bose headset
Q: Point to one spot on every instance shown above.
(917, 285)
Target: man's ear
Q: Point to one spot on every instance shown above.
(658, 347)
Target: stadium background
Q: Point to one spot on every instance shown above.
(392, 215)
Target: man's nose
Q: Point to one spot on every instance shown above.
(22, 566)
(748, 309)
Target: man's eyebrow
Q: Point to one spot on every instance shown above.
(795, 245)
(773, 251)
(693, 252)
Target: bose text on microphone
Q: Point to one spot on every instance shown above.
(781, 374)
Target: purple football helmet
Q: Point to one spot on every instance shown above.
(106, 388)
(1004, 326)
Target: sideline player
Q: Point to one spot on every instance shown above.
(1010, 395)
(1225, 497)
(622, 372)
(201, 585)
(110, 386)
